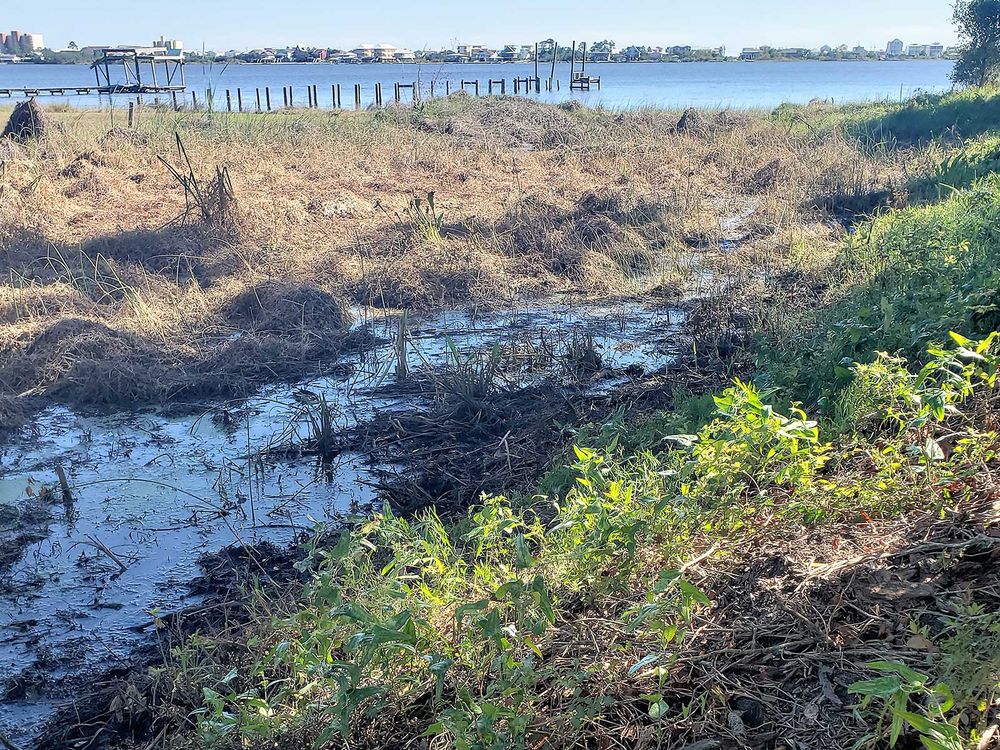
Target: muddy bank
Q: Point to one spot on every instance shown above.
(153, 493)
(126, 703)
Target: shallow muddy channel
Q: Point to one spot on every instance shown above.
(152, 494)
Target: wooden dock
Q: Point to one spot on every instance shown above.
(138, 72)
(134, 90)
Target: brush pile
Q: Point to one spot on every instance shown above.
(27, 121)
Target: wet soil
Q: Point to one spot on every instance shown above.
(154, 493)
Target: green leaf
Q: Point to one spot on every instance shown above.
(466, 610)
(658, 710)
(912, 677)
(881, 687)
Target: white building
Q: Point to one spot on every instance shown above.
(935, 50)
(376, 52)
(168, 47)
(917, 50)
(895, 48)
(404, 55)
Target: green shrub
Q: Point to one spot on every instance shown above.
(908, 278)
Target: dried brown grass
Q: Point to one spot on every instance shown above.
(535, 199)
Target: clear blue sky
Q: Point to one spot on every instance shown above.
(225, 24)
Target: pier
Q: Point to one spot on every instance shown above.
(145, 72)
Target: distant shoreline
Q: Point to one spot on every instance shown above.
(524, 62)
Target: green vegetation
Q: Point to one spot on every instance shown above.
(978, 23)
(455, 629)
(469, 630)
(908, 277)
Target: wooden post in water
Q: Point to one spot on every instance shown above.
(538, 81)
(572, 64)
(267, 92)
(258, 98)
(194, 101)
(173, 95)
(229, 101)
(315, 96)
(291, 103)
(447, 88)
(284, 96)
(555, 54)
(239, 98)
(357, 96)
(340, 102)
(396, 91)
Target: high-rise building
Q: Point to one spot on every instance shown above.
(33, 42)
(16, 42)
(895, 48)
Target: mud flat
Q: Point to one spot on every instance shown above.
(153, 496)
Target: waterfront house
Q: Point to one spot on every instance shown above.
(484, 55)
(749, 54)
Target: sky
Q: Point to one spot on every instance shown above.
(227, 24)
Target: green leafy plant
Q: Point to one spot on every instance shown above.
(896, 689)
(423, 215)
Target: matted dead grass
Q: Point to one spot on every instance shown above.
(95, 227)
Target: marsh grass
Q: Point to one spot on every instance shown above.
(537, 199)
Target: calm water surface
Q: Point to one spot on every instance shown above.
(625, 85)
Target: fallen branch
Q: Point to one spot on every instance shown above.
(94, 541)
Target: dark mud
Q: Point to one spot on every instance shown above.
(153, 494)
